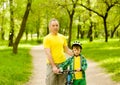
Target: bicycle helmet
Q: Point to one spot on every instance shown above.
(77, 43)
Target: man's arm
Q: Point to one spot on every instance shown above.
(68, 51)
(50, 59)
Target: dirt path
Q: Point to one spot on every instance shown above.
(95, 75)
(39, 64)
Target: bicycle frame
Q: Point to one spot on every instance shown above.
(69, 80)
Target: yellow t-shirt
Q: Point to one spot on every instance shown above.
(77, 65)
(56, 44)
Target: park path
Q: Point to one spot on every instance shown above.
(94, 74)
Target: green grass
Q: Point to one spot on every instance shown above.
(107, 54)
(15, 69)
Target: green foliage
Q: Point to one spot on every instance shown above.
(43, 10)
(106, 54)
(15, 69)
(30, 42)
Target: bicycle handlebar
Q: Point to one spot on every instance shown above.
(69, 71)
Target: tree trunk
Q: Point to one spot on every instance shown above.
(117, 34)
(91, 32)
(115, 28)
(11, 34)
(26, 33)
(2, 29)
(38, 27)
(82, 34)
(105, 29)
(71, 14)
(70, 30)
(22, 27)
(78, 29)
(38, 34)
(2, 22)
(95, 31)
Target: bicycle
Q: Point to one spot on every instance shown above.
(69, 80)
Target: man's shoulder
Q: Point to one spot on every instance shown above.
(47, 36)
(61, 35)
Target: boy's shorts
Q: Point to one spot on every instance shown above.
(79, 82)
(54, 79)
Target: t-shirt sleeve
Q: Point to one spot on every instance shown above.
(46, 43)
(65, 41)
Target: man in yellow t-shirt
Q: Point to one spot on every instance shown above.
(55, 46)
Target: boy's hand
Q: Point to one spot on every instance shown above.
(79, 69)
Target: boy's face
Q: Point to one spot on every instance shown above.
(76, 51)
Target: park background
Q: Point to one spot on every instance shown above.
(24, 23)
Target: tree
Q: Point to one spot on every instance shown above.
(114, 16)
(90, 31)
(109, 5)
(78, 29)
(2, 21)
(11, 34)
(115, 28)
(70, 8)
(22, 27)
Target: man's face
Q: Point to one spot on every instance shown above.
(54, 27)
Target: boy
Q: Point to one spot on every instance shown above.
(77, 63)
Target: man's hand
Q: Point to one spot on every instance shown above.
(55, 70)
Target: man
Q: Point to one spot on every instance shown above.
(55, 45)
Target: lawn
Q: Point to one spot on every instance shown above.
(107, 54)
(15, 69)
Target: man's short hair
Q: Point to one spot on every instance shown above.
(52, 20)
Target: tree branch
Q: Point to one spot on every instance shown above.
(91, 10)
